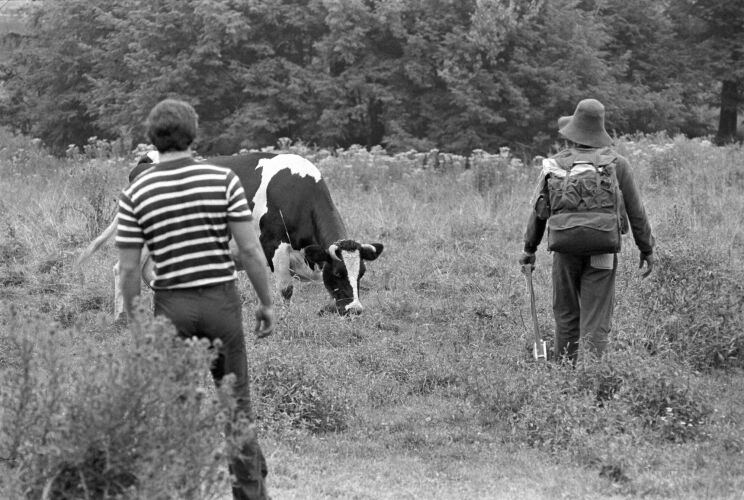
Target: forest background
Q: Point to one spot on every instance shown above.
(453, 75)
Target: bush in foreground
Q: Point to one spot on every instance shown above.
(133, 418)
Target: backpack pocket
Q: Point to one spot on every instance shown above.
(563, 194)
(583, 233)
(607, 192)
(601, 195)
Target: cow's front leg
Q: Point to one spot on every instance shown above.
(281, 262)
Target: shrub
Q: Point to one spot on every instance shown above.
(132, 418)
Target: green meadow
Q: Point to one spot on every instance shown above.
(431, 393)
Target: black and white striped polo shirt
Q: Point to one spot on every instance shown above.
(179, 209)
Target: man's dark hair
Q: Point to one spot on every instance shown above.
(172, 125)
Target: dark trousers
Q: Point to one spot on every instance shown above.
(583, 302)
(214, 312)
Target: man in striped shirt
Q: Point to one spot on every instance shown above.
(185, 212)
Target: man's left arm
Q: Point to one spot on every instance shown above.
(129, 239)
(639, 225)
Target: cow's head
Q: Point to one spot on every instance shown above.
(343, 267)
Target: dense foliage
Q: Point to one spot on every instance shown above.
(456, 75)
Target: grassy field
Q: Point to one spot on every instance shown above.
(431, 393)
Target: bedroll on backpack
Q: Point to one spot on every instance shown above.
(586, 208)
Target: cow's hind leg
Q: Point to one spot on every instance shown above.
(281, 261)
(147, 268)
(119, 313)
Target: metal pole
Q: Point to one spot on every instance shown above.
(540, 349)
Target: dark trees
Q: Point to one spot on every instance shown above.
(714, 31)
(449, 74)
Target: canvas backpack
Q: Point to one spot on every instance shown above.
(584, 204)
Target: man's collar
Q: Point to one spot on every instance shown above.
(175, 155)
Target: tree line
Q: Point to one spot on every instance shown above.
(454, 75)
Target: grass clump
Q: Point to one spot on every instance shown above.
(98, 183)
(559, 408)
(697, 306)
(296, 396)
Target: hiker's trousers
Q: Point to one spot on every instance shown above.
(215, 312)
(583, 302)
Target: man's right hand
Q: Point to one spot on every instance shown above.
(527, 258)
(265, 321)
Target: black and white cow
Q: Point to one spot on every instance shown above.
(299, 228)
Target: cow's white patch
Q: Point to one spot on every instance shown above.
(297, 165)
(352, 260)
(281, 266)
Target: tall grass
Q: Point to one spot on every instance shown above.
(440, 358)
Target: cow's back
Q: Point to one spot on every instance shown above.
(289, 199)
(244, 166)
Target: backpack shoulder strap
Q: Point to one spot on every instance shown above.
(565, 159)
(606, 156)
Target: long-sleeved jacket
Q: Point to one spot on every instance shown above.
(639, 224)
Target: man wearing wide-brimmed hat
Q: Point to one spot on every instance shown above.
(584, 269)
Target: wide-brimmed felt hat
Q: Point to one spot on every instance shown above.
(563, 121)
(586, 125)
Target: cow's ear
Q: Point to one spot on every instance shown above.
(316, 255)
(370, 251)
